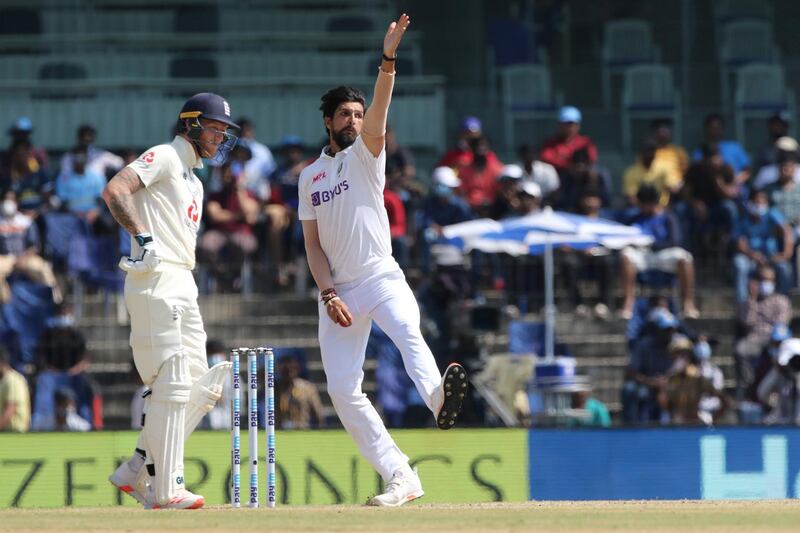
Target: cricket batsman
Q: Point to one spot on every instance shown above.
(159, 200)
(349, 253)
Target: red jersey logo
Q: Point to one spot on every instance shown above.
(318, 177)
(149, 157)
(192, 212)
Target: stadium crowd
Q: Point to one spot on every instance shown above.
(738, 212)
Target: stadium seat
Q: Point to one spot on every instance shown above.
(196, 19)
(193, 67)
(19, 21)
(761, 91)
(59, 229)
(744, 42)
(22, 320)
(527, 94)
(625, 43)
(92, 261)
(528, 337)
(648, 93)
(350, 23)
(726, 11)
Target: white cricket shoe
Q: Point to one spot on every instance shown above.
(452, 392)
(124, 478)
(402, 488)
(182, 500)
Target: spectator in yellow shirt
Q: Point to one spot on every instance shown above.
(15, 400)
(669, 154)
(647, 170)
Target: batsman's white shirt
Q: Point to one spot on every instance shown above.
(171, 205)
(344, 194)
(165, 316)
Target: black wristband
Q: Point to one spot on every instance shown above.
(143, 238)
(387, 58)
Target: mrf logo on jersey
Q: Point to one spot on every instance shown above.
(321, 197)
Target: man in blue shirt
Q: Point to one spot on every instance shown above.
(441, 208)
(80, 188)
(731, 151)
(762, 237)
(665, 254)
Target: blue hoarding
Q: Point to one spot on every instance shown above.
(664, 463)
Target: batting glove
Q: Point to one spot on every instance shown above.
(148, 258)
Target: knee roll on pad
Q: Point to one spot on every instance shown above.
(173, 382)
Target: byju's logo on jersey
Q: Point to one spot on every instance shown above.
(321, 197)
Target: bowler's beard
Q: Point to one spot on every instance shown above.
(344, 137)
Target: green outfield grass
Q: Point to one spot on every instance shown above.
(501, 517)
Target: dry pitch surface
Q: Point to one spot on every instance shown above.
(637, 516)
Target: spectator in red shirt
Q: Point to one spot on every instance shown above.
(396, 212)
(558, 150)
(479, 180)
(460, 157)
(229, 216)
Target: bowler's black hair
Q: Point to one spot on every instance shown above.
(332, 99)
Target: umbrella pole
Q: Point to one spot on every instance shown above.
(549, 305)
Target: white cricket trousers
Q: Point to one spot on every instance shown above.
(387, 299)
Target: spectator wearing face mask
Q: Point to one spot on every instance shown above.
(762, 238)
(479, 178)
(710, 404)
(686, 386)
(19, 243)
(758, 317)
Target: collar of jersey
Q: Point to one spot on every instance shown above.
(186, 152)
(325, 151)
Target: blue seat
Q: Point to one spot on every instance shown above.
(94, 261)
(529, 337)
(59, 230)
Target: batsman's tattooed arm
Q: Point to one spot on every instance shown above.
(118, 196)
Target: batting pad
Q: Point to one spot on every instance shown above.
(165, 426)
(205, 394)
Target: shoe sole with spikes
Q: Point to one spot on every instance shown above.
(454, 384)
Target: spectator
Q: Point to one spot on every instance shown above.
(686, 387)
(63, 362)
(80, 187)
(281, 211)
(440, 208)
(559, 149)
(593, 263)
(462, 155)
(665, 254)
(583, 175)
(709, 193)
(15, 403)
(648, 171)
(396, 212)
(785, 165)
(784, 194)
(260, 165)
(19, 245)
(758, 316)
(647, 371)
(669, 155)
(220, 416)
(479, 178)
(399, 159)
(530, 199)
(710, 405)
(762, 237)
(731, 151)
(20, 132)
(541, 173)
(230, 215)
(778, 391)
(777, 127)
(596, 412)
(507, 202)
(25, 177)
(66, 417)
(297, 400)
(98, 161)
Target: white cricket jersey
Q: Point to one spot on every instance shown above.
(171, 203)
(344, 194)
